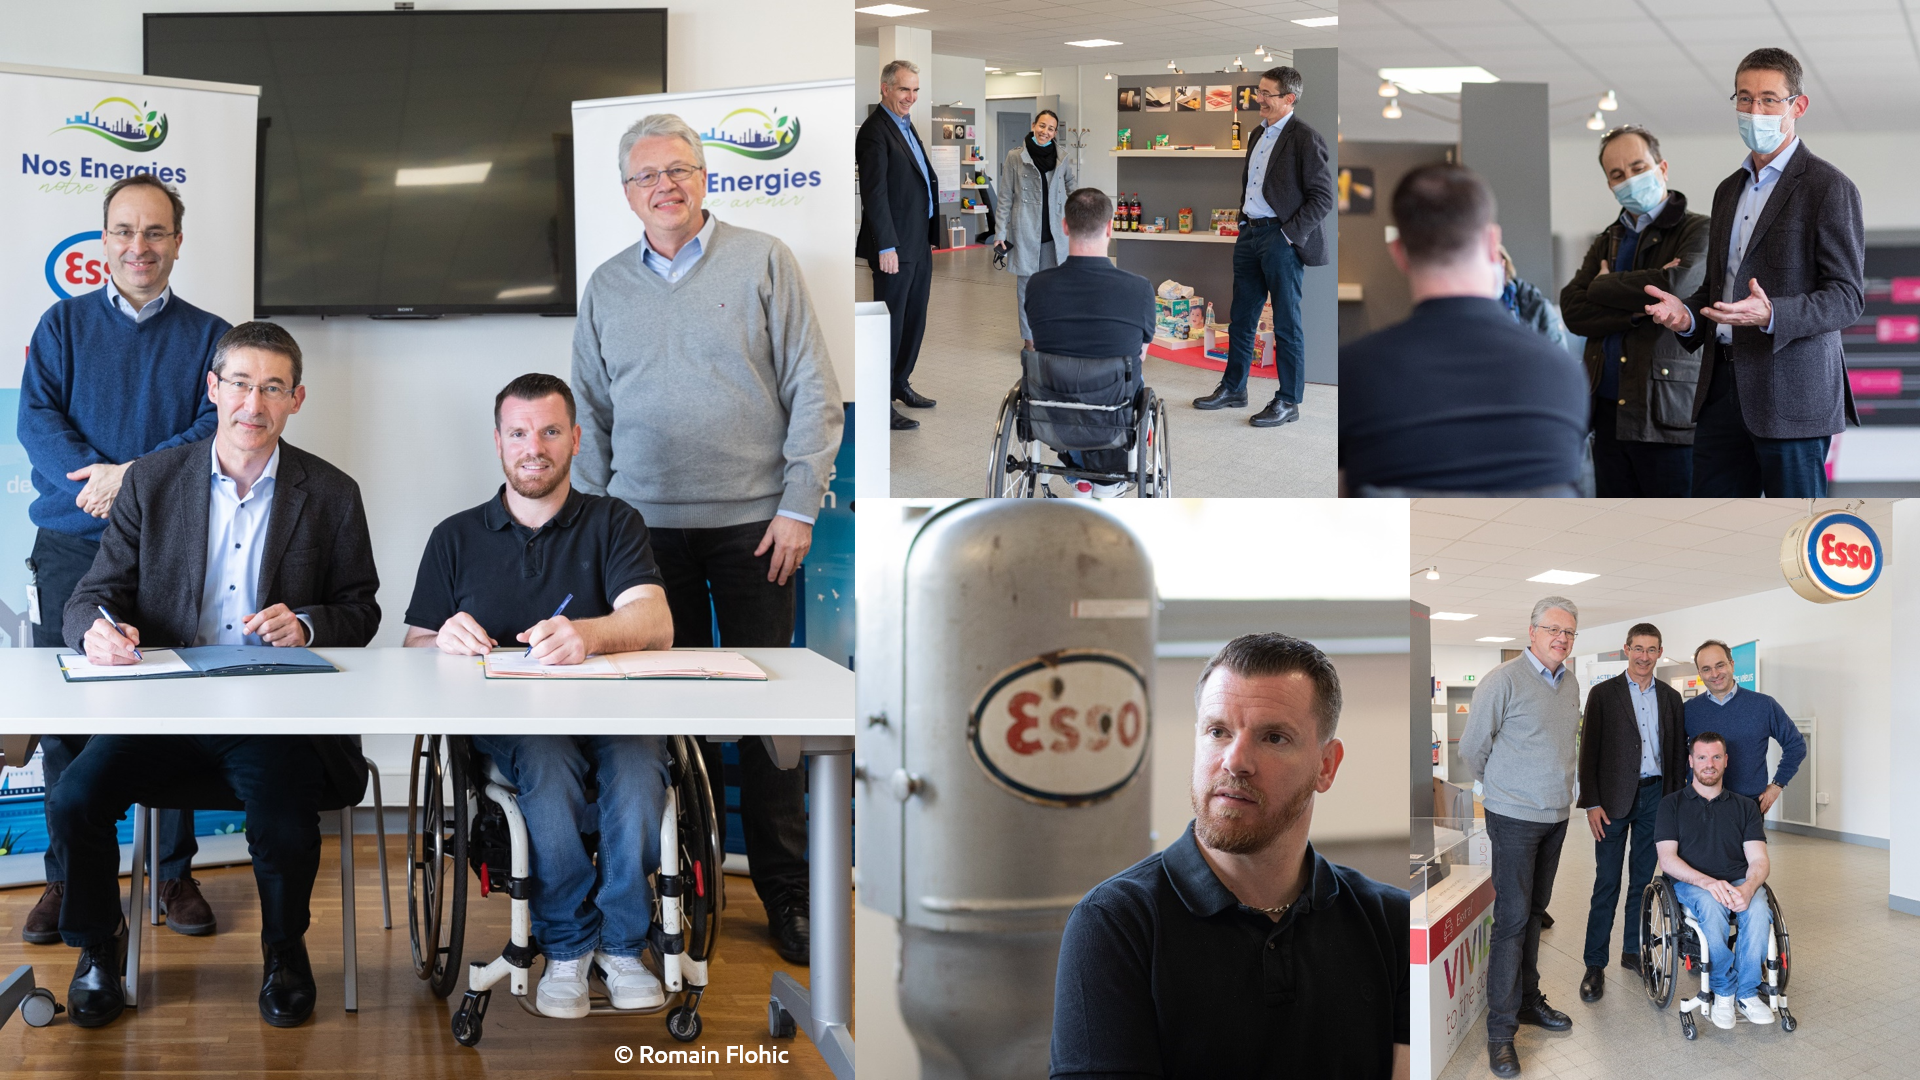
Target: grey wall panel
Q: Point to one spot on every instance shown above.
(1503, 137)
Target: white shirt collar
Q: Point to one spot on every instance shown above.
(1778, 164)
(271, 472)
(1718, 700)
(125, 306)
(703, 238)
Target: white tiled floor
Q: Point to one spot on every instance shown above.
(1856, 977)
(971, 357)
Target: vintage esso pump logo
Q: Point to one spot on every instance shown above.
(1831, 557)
(76, 265)
(1066, 729)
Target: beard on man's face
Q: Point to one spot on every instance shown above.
(1240, 828)
(541, 486)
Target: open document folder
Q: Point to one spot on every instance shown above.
(198, 662)
(663, 664)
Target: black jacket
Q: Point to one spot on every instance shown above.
(1298, 185)
(1809, 252)
(1610, 746)
(1657, 381)
(153, 556)
(895, 199)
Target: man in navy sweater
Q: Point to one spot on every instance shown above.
(1747, 718)
(111, 375)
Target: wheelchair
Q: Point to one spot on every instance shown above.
(459, 819)
(1072, 404)
(1670, 938)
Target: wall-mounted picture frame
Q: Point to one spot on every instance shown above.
(1219, 99)
(1129, 99)
(1243, 99)
(1187, 98)
(1156, 99)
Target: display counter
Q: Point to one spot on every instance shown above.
(1450, 931)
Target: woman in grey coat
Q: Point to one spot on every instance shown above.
(1033, 196)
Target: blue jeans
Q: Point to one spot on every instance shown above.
(1730, 462)
(1606, 876)
(571, 917)
(1744, 969)
(1266, 265)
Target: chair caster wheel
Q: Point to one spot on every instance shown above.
(470, 1018)
(683, 1024)
(1688, 1029)
(779, 1021)
(1787, 1022)
(39, 1008)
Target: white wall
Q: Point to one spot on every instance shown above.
(1828, 661)
(1904, 745)
(406, 407)
(1453, 663)
(1882, 165)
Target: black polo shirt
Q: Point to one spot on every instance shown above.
(1090, 308)
(1711, 834)
(509, 577)
(1163, 973)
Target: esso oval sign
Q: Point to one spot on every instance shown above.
(1831, 557)
(76, 265)
(1065, 729)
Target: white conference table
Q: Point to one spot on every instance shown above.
(805, 706)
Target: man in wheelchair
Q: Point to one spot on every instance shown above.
(1713, 850)
(491, 575)
(1088, 309)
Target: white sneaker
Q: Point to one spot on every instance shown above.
(629, 984)
(1069, 488)
(1757, 1011)
(563, 989)
(1723, 1012)
(1109, 491)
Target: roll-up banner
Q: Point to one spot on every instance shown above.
(779, 159)
(65, 137)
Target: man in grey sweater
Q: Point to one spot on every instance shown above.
(708, 402)
(1520, 743)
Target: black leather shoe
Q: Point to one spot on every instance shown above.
(1539, 1012)
(96, 996)
(906, 396)
(791, 929)
(902, 423)
(1594, 985)
(1630, 961)
(1502, 1058)
(1276, 413)
(1222, 398)
(287, 991)
(1546, 921)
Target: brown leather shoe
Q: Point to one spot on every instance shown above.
(43, 922)
(186, 910)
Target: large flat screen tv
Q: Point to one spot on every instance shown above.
(416, 163)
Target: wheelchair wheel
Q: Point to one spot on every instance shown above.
(704, 894)
(1659, 945)
(1154, 477)
(437, 859)
(1786, 949)
(1010, 471)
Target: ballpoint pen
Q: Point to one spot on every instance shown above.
(555, 615)
(115, 623)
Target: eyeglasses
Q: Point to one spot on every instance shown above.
(647, 178)
(1556, 631)
(152, 236)
(237, 389)
(1643, 650)
(1746, 102)
(1265, 96)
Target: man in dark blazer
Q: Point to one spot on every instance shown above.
(1288, 192)
(1633, 753)
(898, 230)
(1786, 273)
(240, 539)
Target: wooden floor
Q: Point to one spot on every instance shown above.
(198, 1016)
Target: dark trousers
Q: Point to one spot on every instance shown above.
(177, 845)
(277, 779)
(905, 295)
(1634, 470)
(1729, 462)
(59, 562)
(713, 575)
(1526, 855)
(1266, 265)
(1606, 874)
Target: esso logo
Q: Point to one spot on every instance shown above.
(1064, 729)
(76, 265)
(1830, 557)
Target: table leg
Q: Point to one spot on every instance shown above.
(824, 1009)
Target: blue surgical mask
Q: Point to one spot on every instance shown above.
(1640, 194)
(1761, 132)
